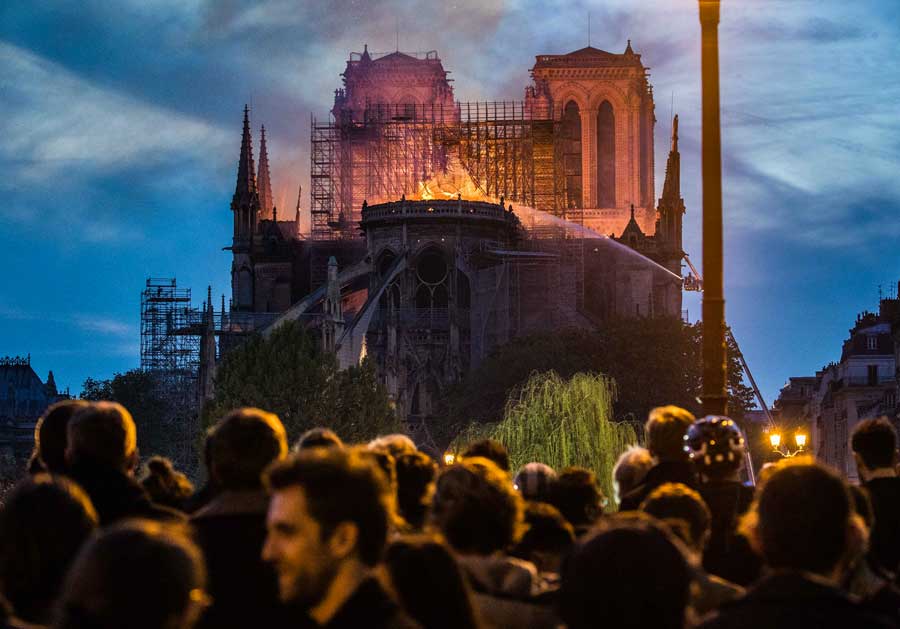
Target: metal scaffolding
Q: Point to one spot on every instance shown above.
(166, 309)
(507, 149)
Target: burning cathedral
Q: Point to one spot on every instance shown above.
(440, 230)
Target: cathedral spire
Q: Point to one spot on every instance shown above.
(671, 205)
(245, 203)
(246, 177)
(672, 184)
(297, 213)
(264, 184)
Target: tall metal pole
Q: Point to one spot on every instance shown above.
(714, 396)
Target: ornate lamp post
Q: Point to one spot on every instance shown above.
(714, 396)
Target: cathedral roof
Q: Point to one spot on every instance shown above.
(589, 56)
(399, 57)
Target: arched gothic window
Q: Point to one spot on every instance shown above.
(606, 156)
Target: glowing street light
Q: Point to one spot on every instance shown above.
(449, 458)
(775, 442)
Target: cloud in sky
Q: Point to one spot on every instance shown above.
(121, 140)
(63, 125)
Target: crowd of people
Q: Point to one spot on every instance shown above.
(380, 535)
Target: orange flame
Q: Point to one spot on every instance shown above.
(425, 193)
(452, 183)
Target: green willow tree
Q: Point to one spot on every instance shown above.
(288, 374)
(561, 423)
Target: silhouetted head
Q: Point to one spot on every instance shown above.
(415, 479)
(328, 514)
(534, 481)
(244, 443)
(141, 575)
(476, 507)
(683, 508)
(318, 437)
(874, 444)
(102, 434)
(166, 485)
(51, 434)
(629, 572)
(578, 496)
(429, 583)
(548, 536)
(384, 461)
(490, 449)
(43, 523)
(665, 430)
(395, 444)
(802, 518)
(716, 445)
(630, 469)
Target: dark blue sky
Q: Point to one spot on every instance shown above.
(120, 128)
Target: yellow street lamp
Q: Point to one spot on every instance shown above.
(775, 441)
(449, 458)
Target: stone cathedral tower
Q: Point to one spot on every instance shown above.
(605, 105)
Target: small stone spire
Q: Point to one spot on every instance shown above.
(672, 184)
(246, 177)
(628, 50)
(674, 148)
(51, 384)
(670, 208)
(274, 213)
(297, 212)
(632, 211)
(365, 55)
(264, 184)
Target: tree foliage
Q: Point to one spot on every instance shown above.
(288, 374)
(652, 361)
(145, 397)
(561, 423)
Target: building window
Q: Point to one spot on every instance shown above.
(872, 342)
(872, 373)
(606, 156)
(571, 133)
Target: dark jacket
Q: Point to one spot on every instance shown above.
(372, 608)
(790, 600)
(199, 498)
(728, 555)
(231, 531)
(884, 541)
(660, 474)
(117, 496)
(508, 592)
